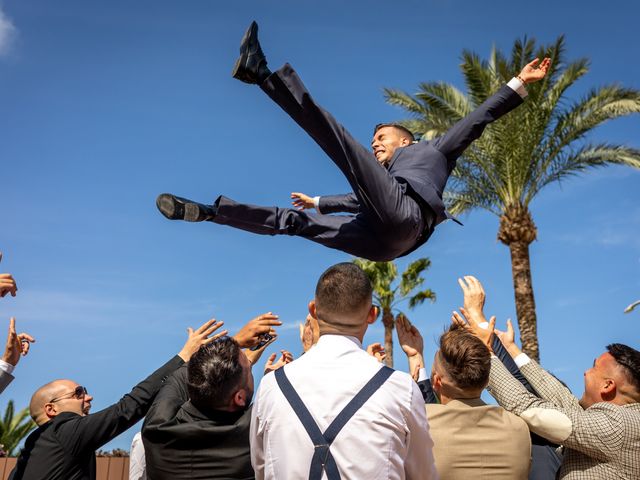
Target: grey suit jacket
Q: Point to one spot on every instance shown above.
(600, 442)
(473, 440)
(5, 380)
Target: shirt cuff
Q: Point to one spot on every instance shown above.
(518, 87)
(316, 203)
(521, 360)
(6, 367)
(422, 375)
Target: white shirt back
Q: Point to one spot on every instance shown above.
(388, 438)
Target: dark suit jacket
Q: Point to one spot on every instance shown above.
(184, 442)
(64, 448)
(425, 166)
(5, 380)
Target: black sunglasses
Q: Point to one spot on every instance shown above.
(79, 392)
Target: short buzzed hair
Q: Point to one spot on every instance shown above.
(629, 359)
(342, 290)
(397, 126)
(215, 373)
(465, 358)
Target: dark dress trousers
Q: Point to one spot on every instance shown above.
(184, 442)
(65, 447)
(395, 208)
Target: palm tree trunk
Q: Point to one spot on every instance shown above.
(389, 322)
(518, 231)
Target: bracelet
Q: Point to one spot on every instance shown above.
(521, 79)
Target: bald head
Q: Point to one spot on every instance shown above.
(63, 394)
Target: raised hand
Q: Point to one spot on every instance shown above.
(309, 333)
(198, 338)
(377, 351)
(254, 355)
(508, 339)
(7, 283)
(249, 335)
(482, 330)
(409, 337)
(535, 70)
(17, 344)
(412, 344)
(302, 201)
(474, 297)
(285, 358)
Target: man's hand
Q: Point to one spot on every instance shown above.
(377, 351)
(412, 344)
(17, 344)
(200, 337)
(508, 340)
(270, 366)
(479, 329)
(532, 72)
(254, 355)
(302, 201)
(249, 335)
(309, 333)
(473, 297)
(7, 283)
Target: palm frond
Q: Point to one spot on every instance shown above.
(420, 297)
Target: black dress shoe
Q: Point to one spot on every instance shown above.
(251, 66)
(177, 208)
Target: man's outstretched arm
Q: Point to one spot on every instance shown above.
(347, 203)
(465, 131)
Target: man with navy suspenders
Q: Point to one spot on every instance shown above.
(336, 412)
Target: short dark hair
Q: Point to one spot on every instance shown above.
(465, 358)
(342, 289)
(397, 126)
(215, 373)
(629, 359)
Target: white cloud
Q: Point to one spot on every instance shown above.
(7, 32)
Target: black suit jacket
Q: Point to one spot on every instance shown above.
(64, 448)
(425, 166)
(184, 442)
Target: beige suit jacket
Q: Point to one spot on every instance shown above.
(473, 440)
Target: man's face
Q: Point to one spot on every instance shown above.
(595, 379)
(70, 397)
(385, 142)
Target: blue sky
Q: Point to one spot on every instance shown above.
(106, 105)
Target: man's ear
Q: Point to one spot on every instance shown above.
(608, 390)
(372, 315)
(240, 398)
(312, 309)
(50, 410)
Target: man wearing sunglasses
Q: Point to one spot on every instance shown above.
(64, 444)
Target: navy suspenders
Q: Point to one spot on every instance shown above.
(322, 459)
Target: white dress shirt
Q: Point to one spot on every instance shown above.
(388, 438)
(137, 462)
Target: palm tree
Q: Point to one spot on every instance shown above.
(386, 296)
(14, 427)
(540, 143)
